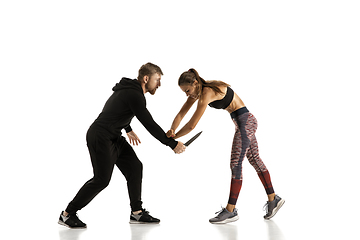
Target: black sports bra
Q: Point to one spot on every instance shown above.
(225, 102)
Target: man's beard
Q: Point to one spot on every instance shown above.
(152, 91)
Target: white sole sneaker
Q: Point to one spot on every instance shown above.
(276, 209)
(137, 222)
(228, 220)
(224, 216)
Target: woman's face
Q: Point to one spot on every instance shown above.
(191, 90)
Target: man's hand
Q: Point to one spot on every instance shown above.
(180, 147)
(133, 138)
(170, 133)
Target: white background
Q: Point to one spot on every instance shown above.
(295, 64)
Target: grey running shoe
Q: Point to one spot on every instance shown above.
(225, 216)
(273, 207)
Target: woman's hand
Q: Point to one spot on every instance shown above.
(170, 133)
(133, 138)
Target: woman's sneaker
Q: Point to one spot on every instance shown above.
(71, 221)
(225, 216)
(273, 207)
(143, 217)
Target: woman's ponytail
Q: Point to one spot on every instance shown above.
(191, 75)
(202, 82)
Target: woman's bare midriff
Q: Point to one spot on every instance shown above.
(235, 104)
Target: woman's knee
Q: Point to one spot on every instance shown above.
(236, 171)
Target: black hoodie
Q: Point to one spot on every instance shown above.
(127, 101)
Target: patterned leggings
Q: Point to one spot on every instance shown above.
(245, 143)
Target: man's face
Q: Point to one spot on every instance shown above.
(153, 83)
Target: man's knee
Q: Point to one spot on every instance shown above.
(101, 183)
(138, 169)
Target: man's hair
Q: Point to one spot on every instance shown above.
(148, 69)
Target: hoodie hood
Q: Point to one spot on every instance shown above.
(127, 83)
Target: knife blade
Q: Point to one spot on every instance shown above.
(192, 139)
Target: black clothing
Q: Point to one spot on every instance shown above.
(239, 112)
(108, 148)
(104, 155)
(225, 102)
(127, 101)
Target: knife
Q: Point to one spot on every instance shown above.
(192, 139)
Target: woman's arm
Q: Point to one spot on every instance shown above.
(185, 108)
(201, 107)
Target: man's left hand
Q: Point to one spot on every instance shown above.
(133, 138)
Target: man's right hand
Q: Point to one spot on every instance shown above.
(180, 147)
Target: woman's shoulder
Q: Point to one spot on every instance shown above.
(210, 95)
(208, 92)
(211, 91)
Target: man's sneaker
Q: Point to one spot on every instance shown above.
(143, 217)
(273, 206)
(225, 216)
(71, 221)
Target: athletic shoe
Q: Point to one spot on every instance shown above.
(71, 221)
(225, 216)
(273, 206)
(142, 218)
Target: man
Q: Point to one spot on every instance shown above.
(108, 148)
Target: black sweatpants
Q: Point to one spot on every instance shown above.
(105, 153)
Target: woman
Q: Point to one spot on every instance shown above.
(219, 95)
